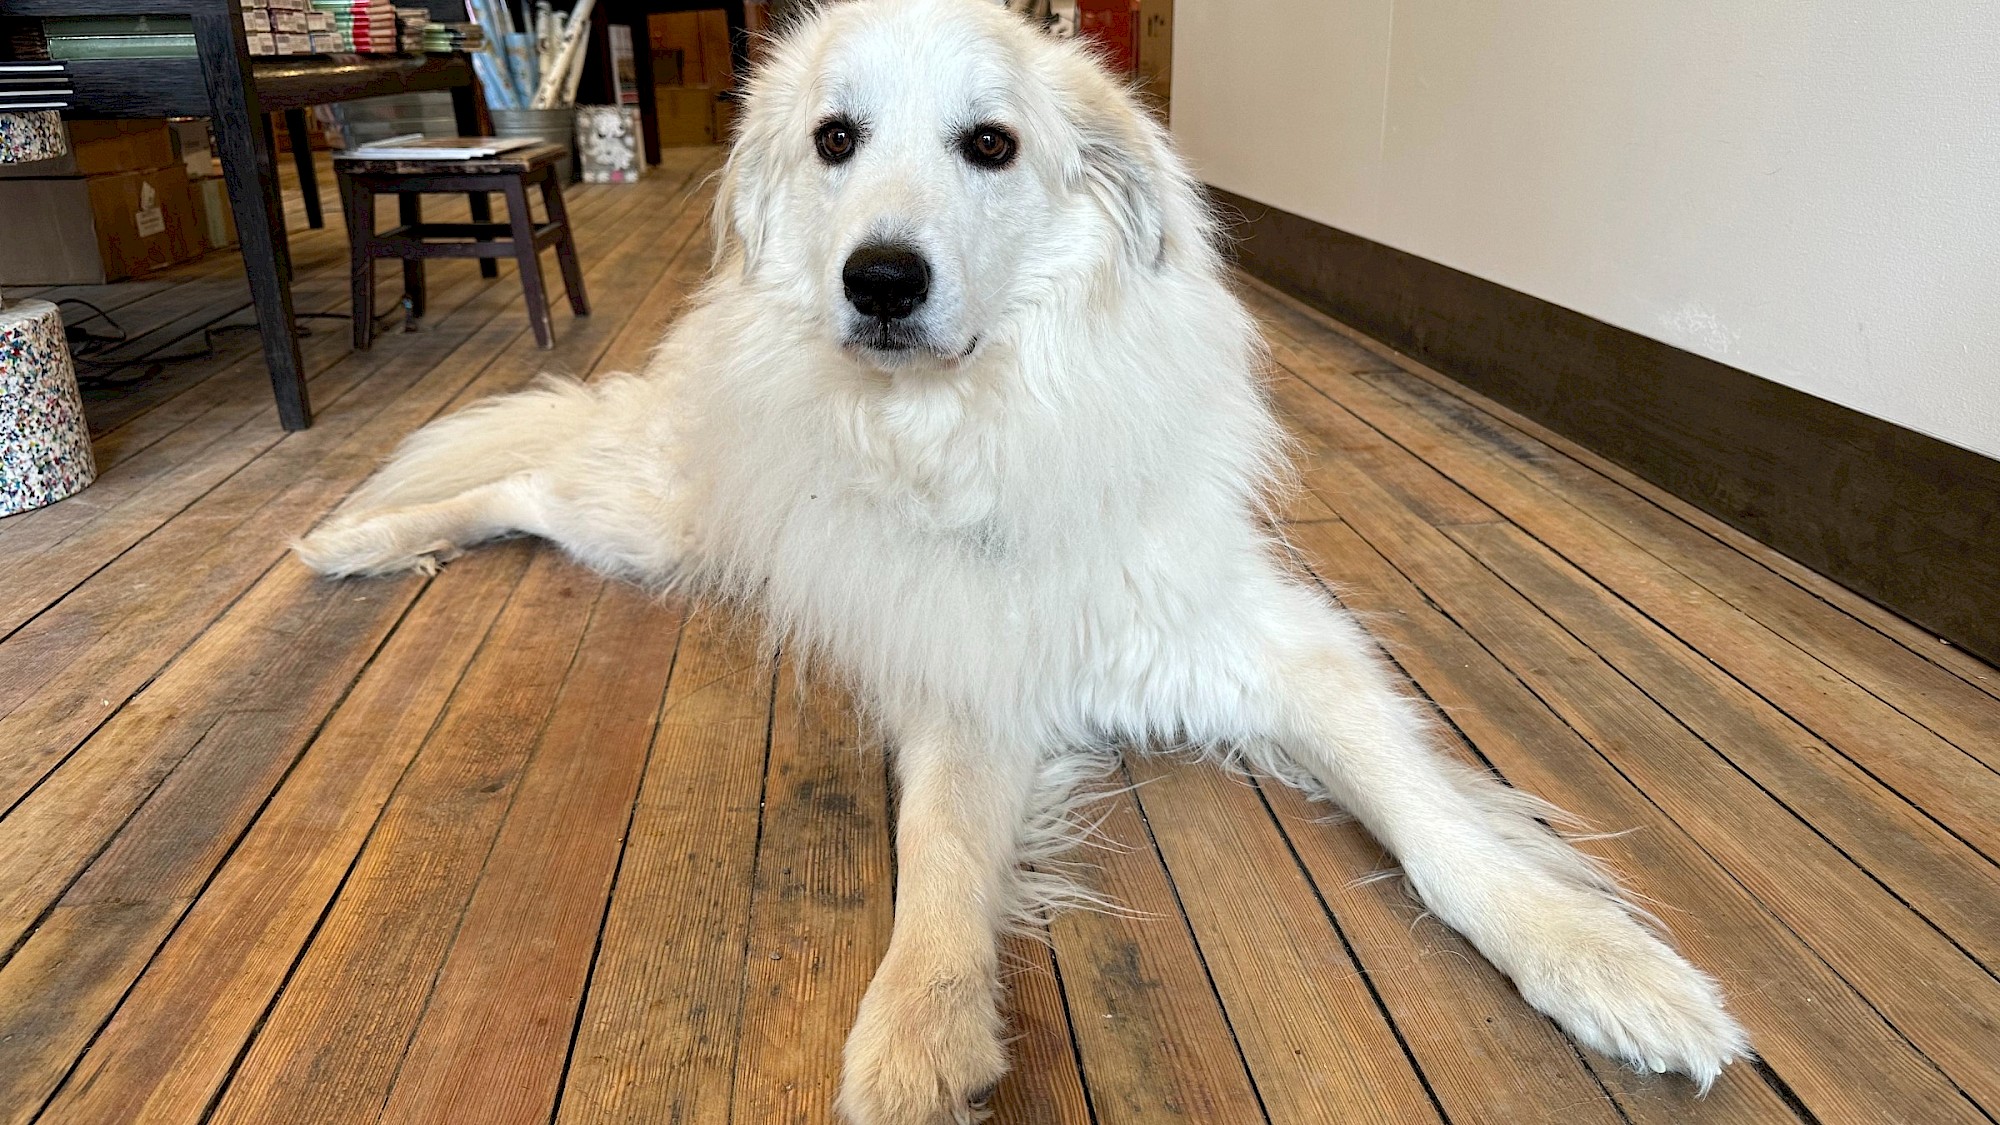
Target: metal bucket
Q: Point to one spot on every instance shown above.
(552, 125)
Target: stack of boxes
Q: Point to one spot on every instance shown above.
(119, 205)
(342, 27)
(692, 71)
(208, 199)
(326, 38)
(370, 25)
(442, 37)
(410, 25)
(278, 27)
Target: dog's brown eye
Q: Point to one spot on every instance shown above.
(988, 146)
(835, 140)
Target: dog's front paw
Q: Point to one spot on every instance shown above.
(1625, 993)
(925, 1049)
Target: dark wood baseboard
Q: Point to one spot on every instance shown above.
(1907, 520)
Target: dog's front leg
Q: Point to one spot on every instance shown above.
(926, 1045)
(1479, 857)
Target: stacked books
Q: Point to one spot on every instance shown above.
(369, 24)
(410, 26)
(326, 38)
(33, 85)
(119, 37)
(279, 27)
(441, 37)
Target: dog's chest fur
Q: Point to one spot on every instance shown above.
(927, 453)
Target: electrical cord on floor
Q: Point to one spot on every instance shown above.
(89, 348)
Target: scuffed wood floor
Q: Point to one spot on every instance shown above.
(515, 844)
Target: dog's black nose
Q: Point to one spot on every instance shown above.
(886, 281)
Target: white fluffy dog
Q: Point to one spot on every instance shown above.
(970, 413)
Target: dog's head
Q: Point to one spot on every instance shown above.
(913, 174)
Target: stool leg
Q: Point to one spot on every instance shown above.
(410, 212)
(572, 271)
(482, 212)
(359, 200)
(530, 262)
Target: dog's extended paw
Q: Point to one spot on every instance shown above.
(1624, 993)
(925, 1050)
(368, 547)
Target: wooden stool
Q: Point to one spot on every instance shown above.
(414, 241)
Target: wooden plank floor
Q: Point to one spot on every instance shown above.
(517, 844)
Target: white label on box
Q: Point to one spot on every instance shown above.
(149, 218)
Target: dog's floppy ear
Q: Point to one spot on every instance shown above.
(742, 197)
(1127, 170)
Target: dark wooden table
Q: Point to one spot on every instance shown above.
(223, 82)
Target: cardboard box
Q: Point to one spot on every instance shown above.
(214, 221)
(101, 147)
(59, 247)
(192, 146)
(145, 221)
(99, 229)
(687, 115)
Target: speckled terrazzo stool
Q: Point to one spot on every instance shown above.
(31, 136)
(44, 441)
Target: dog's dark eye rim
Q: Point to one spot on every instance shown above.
(836, 139)
(988, 145)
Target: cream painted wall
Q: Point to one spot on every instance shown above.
(1806, 190)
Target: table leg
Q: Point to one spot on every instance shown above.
(302, 159)
(241, 133)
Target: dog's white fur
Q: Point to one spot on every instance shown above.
(1040, 531)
